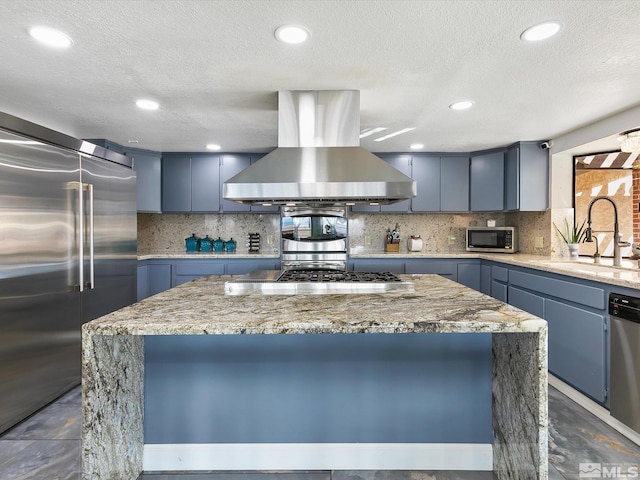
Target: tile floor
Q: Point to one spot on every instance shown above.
(46, 446)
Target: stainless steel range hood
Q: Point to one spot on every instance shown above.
(318, 160)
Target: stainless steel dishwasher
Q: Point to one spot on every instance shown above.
(625, 359)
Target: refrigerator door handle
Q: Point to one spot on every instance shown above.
(75, 189)
(92, 278)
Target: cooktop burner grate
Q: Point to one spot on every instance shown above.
(324, 276)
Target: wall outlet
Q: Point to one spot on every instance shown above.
(451, 240)
(367, 240)
(539, 242)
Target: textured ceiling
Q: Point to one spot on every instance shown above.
(215, 68)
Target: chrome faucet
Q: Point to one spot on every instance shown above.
(617, 254)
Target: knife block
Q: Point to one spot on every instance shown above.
(392, 247)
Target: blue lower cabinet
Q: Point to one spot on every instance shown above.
(445, 268)
(485, 279)
(499, 291)
(527, 301)
(377, 265)
(469, 275)
(575, 311)
(152, 279)
(243, 266)
(577, 347)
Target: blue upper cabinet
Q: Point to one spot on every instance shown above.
(176, 183)
(147, 165)
(454, 184)
(443, 183)
(526, 177)
(231, 165)
(487, 182)
(205, 183)
(190, 183)
(426, 173)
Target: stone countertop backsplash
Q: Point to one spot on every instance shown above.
(440, 232)
(165, 234)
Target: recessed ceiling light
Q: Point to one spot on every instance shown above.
(416, 146)
(51, 37)
(292, 34)
(213, 146)
(147, 104)
(399, 132)
(461, 105)
(541, 31)
(133, 141)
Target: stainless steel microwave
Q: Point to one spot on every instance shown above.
(492, 239)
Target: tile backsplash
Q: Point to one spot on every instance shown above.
(440, 232)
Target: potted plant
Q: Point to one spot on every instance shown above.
(572, 236)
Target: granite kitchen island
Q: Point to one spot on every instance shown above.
(113, 438)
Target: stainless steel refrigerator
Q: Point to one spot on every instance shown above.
(67, 256)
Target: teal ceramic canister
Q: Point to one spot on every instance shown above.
(206, 244)
(191, 243)
(218, 245)
(230, 246)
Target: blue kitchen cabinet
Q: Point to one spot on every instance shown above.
(576, 312)
(444, 267)
(485, 279)
(176, 183)
(188, 269)
(526, 177)
(527, 301)
(231, 165)
(454, 184)
(578, 347)
(487, 182)
(442, 183)
(426, 172)
(468, 274)
(377, 265)
(148, 167)
(190, 183)
(205, 183)
(142, 281)
(243, 266)
(499, 282)
(153, 278)
(403, 164)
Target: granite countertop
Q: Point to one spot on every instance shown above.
(628, 275)
(200, 308)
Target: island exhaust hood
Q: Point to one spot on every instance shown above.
(319, 161)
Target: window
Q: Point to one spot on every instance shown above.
(611, 175)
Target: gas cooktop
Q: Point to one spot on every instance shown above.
(316, 281)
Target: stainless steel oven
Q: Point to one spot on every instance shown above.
(314, 238)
